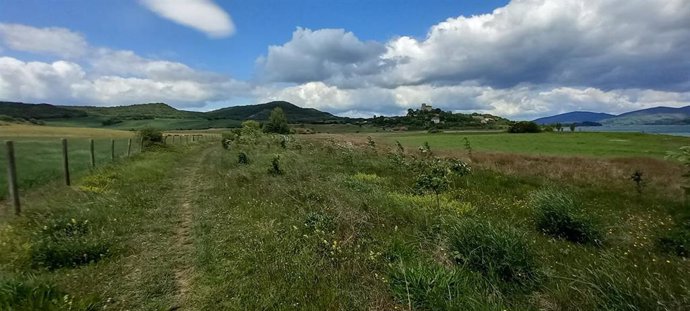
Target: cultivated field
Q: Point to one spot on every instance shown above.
(340, 222)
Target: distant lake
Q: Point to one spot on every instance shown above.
(675, 130)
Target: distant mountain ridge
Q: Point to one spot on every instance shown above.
(650, 116)
(574, 117)
(257, 112)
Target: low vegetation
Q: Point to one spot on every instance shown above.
(268, 221)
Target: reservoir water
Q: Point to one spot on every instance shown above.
(676, 130)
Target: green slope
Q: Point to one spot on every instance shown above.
(262, 111)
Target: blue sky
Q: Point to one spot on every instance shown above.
(520, 59)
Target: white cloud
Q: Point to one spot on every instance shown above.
(612, 44)
(519, 102)
(63, 82)
(324, 54)
(53, 40)
(202, 15)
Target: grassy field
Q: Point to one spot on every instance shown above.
(38, 152)
(340, 224)
(159, 123)
(560, 144)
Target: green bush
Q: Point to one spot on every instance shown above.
(556, 215)
(242, 158)
(277, 122)
(275, 166)
(151, 136)
(524, 127)
(498, 253)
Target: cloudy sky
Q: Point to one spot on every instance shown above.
(519, 59)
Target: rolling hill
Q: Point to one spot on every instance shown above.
(574, 117)
(262, 112)
(158, 115)
(649, 116)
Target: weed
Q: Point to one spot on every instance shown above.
(242, 158)
(275, 166)
(150, 136)
(31, 293)
(556, 215)
(636, 177)
(430, 286)
(498, 253)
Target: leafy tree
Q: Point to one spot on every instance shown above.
(524, 127)
(572, 127)
(277, 122)
(151, 136)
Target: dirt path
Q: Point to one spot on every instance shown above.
(184, 270)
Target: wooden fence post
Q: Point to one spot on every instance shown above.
(112, 149)
(65, 161)
(12, 177)
(129, 147)
(93, 155)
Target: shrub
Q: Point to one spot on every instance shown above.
(242, 158)
(556, 215)
(151, 136)
(275, 166)
(498, 253)
(524, 127)
(277, 122)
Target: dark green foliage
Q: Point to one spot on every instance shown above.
(68, 243)
(636, 177)
(524, 127)
(275, 166)
(151, 136)
(277, 122)
(37, 111)
(31, 294)
(111, 121)
(283, 142)
(242, 158)
(496, 252)
(468, 147)
(319, 221)
(677, 240)
(263, 111)
(371, 142)
(557, 215)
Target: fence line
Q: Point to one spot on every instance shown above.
(12, 163)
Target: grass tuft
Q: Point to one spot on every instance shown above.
(556, 215)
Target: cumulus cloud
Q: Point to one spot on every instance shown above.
(53, 40)
(202, 15)
(68, 83)
(518, 102)
(324, 54)
(605, 44)
(104, 76)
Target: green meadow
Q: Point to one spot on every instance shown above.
(341, 222)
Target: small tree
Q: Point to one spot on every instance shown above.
(151, 136)
(277, 122)
(572, 127)
(524, 127)
(558, 126)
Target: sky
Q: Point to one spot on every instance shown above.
(519, 59)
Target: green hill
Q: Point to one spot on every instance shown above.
(151, 110)
(37, 111)
(261, 112)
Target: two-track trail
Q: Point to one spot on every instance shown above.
(186, 194)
